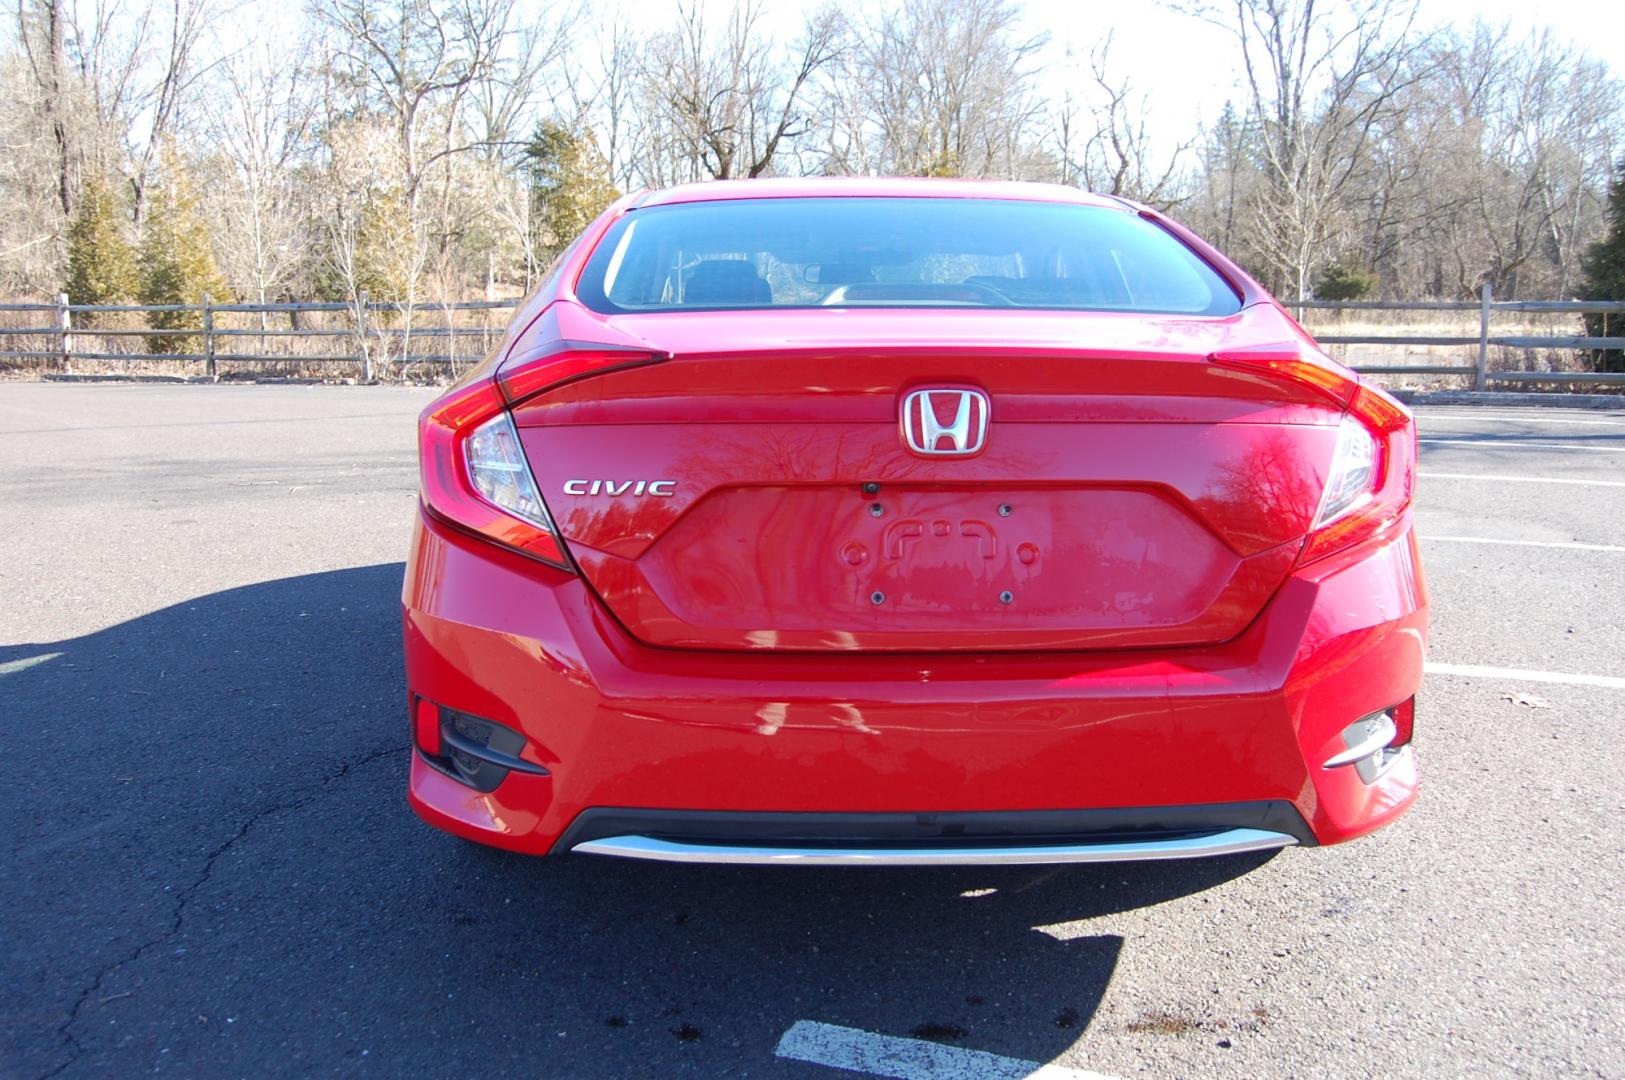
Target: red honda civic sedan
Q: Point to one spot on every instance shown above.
(906, 522)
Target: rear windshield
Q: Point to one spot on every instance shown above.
(896, 252)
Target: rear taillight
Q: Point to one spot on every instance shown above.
(1373, 470)
(475, 474)
(1372, 475)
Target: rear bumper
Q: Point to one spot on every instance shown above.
(1149, 748)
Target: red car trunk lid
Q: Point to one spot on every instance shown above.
(1129, 492)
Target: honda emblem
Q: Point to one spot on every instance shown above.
(945, 423)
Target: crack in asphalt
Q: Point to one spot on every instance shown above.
(69, 1041)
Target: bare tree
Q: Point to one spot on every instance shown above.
(162, 101)
(1321, 81)
(1548, 153)
(258, 120)
(41, 27)
(1102, 136)
(416, 61)
(32, 240)
(1494, 169)
(383, 150)
(503, 102)
(948, 86)
(727, 103)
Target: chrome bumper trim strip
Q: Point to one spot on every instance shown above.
(1228, 842)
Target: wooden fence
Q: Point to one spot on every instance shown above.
(377, 340)
(1477, 367)
(370, 337)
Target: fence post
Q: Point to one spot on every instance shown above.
(64, 324)
(1482, 375)
(208, 339)
(361, 335)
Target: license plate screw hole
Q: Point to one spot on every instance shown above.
(876, 510)
(1006, 597)
(1004, 509)
(877, 597)
(871, 488)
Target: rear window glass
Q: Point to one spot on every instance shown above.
(896, 252)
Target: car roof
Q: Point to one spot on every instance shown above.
(905, 187)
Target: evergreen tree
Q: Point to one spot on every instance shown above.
(177, 261)
(1605, 277)
(569, 184)
(386, 256)
(101, 264)
(1345, 279)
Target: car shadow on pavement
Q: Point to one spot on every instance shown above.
(211, 867)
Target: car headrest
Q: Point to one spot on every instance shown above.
(845, 273)
(726, 281)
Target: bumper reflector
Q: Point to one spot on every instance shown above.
(1404, 715)
(426, 725)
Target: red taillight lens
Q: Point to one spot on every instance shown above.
(1295, 363)
(560, 362)
(1372, 477)
(476, 477)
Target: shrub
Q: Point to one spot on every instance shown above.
(1346, 279)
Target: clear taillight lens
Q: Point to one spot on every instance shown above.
(498, 471)
(475, 475)
(1353, 476)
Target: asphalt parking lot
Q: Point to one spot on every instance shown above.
(210, 868)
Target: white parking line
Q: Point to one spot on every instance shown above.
(1515, 442)
(1496, 418)
(1521, 479)
(909, 1059)
(1474, 671)
(1573, 546)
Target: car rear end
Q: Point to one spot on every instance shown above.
(910, 523)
